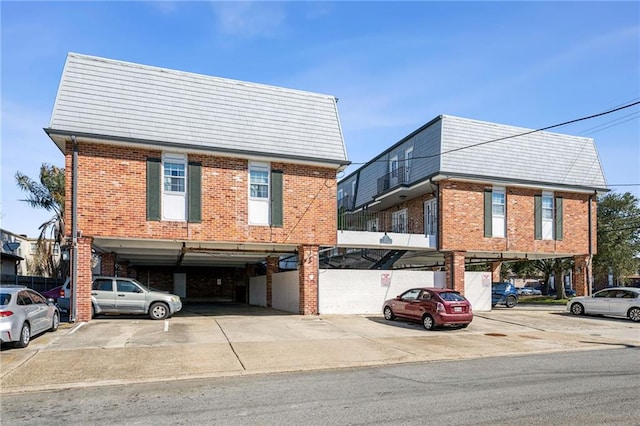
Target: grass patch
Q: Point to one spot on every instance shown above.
(542, 300)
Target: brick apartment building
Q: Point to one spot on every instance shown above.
(192, 183)
(457, 192)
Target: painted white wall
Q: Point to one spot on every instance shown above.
(477, 289)
(258, 290)
(285, 292)
(349, 291)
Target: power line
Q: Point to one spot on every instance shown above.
(512, 136)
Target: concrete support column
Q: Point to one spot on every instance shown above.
(308, 279)
(454, 269)
(581, 274)
(495, 271)
(83, 287)
(273, 264)
(108, 264)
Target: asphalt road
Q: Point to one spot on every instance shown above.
(568, 388)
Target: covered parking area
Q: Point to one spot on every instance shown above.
(203, 272)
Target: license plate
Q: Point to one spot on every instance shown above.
(457, 309)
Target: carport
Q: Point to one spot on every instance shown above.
(201, 272)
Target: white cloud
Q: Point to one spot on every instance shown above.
(249, 19)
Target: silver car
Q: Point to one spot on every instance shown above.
(25, 313)
(127, 296)
(615, 301)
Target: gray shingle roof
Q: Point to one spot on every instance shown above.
(135, 102)
(532, 157)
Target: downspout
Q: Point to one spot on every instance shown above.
(74, 229)
(590, 261)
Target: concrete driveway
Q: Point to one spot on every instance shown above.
(224, 340)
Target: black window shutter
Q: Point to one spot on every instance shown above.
(153, 188)
(558, 219)
(537, 215)
(276, 198)
(194, 192)
(488, 213)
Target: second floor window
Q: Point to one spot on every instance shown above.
(498, 211)
(547, 216)
(174, 176)
(259, 182)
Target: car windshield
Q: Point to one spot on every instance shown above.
(5, 298)
(451, 296)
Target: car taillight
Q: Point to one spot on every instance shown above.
(62, 292)
(5, 314)
(440, 307)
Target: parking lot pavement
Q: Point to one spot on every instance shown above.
(209, 341)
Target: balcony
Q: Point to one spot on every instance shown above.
(397, 177)
(382, 230)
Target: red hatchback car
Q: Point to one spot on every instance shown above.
(433, 307)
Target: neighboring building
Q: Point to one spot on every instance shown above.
(19, 253)
(13, 248)
(457, 192)
(193, 183)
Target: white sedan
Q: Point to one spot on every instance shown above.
(615, 301)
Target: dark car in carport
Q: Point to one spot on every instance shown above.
(504, 293)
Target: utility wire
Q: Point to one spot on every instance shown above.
(512, 136)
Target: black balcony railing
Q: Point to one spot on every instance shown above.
(345, 203)
(397, 177)
(377, 222)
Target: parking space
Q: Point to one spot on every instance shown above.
(208, 340)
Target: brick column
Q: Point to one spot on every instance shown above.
(581, 274)
(273, 265)
(83, 286)
(454, 268)
(495, 271)
(122, 269)
(308, 279)
(108, 264)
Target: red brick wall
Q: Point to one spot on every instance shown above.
(308, 279)
(83, 286)
(415, 213)
(462, 217)
(112, 199)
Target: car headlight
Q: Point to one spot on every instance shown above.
(175, 299)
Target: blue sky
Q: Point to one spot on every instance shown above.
(393, 65)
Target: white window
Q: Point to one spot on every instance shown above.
(399, 221)
(431, 217)
(174, 186)
(259, 193)
(393, 166)
(547, 215)
(408, 155)
(498, 212)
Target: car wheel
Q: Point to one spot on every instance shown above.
(388, 314)
(634, 314)
(25, 336)
(511, 301)
(428, 323)
(158, 311)
(577, 309)
(464, 326)
(55, 322)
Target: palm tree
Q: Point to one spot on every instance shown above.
(47, 194)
